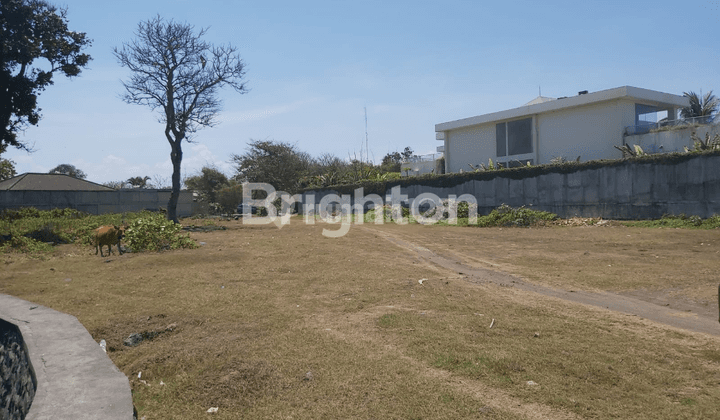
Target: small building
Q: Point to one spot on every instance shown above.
(587, 126)
(49, 182)
(49, 191)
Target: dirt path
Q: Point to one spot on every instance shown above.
(689, 319)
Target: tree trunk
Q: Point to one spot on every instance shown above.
(176, 158)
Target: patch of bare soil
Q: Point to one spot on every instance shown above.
(532, 257)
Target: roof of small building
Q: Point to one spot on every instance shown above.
(540, 105)
(539, 100)
(49, 182)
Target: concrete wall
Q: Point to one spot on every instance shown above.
(630, 190)
(75, 379)
(671, 140)
(97, 202)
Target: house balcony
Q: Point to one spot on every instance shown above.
(669, 125)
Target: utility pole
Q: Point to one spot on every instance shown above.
(367, 151)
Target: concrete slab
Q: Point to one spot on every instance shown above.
(76, 380)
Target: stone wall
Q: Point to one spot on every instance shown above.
(630, 190)
(73, 378)
(17, 379)
(98, 202)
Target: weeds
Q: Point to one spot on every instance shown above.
(681, 221)
(514, 217)
(29, 230)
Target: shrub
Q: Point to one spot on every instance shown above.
(509, 216)
(681, 221)
(153, 232)
(25, 245)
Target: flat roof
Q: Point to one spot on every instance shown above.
(647, 96)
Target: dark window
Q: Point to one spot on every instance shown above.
(500, 139)
(519, 137)
(514, 138)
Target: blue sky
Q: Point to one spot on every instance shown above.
(313, 66)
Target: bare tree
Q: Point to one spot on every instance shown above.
(177, 72)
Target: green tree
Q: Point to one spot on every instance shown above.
(7, 169)
(139, 182)
(278, 164)
(117, 185)
(207, 184)
(32, 30)
(407, 153)
(229, 196)
(706, 106)
(391, 162)
(65, 169)
(177, 72)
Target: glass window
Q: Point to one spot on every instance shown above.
(500, 139)
(519, 134)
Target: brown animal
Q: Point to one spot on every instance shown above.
(108, 235)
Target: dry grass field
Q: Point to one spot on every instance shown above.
(286, 323)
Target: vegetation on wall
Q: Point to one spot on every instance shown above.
(455, 179)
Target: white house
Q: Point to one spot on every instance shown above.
(587, 126)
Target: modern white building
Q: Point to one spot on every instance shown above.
(588, 126)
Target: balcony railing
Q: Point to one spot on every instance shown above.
(666, 125)
(423, 158)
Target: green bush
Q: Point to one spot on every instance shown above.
(153, 232)
(681, 221)
(510, 216)
(25, 245)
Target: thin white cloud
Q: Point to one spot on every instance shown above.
(259, 114)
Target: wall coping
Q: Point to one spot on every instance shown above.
(75, 378)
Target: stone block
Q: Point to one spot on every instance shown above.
(501, 190)
(711, 168)
(35, 198)
(575, 195)
(574, 179)
(12, 198)
(663, 179)
(550, 189)
(516, 193)
(694, 171)
(591, 195)
(530, 188)
(607, 185)
(485, 191)
(642, 177)
(711, 191)
(62, 199)
(623, 184)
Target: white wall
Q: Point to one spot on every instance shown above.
(671, 140)
(589, 131)
(472, 145)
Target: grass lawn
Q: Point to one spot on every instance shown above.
(286, 323)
